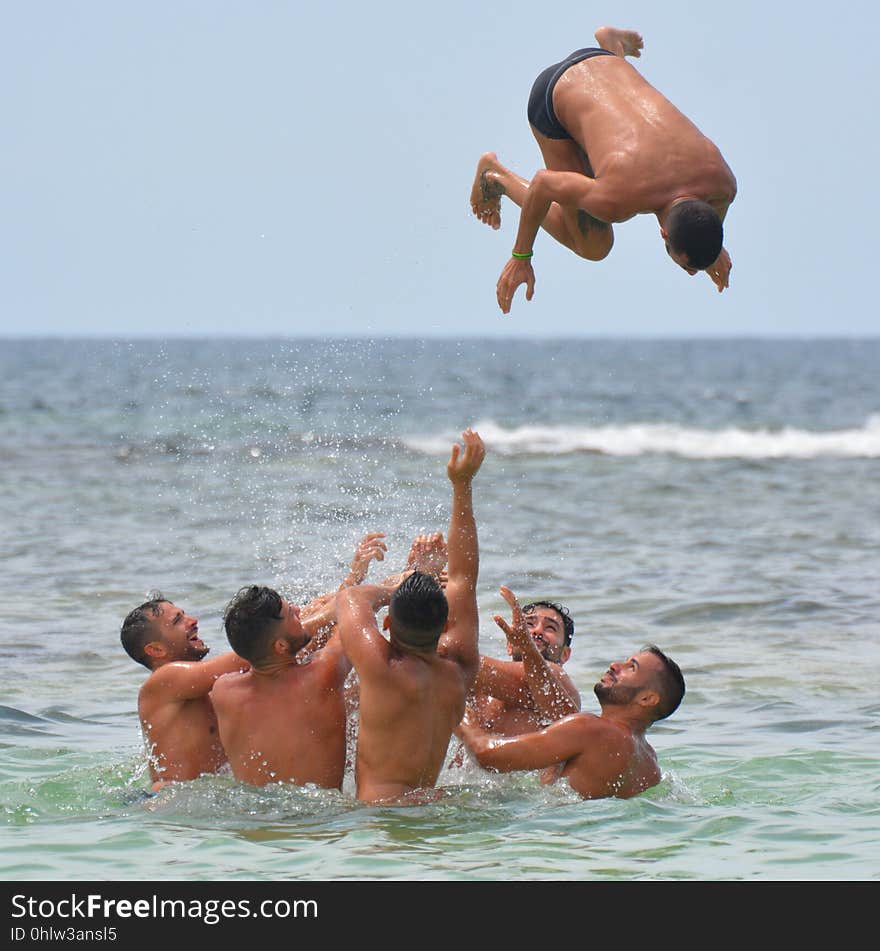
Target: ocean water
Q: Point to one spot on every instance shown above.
(718, 498)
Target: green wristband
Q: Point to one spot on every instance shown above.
(521, 256)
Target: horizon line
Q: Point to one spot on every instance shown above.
(646, 337)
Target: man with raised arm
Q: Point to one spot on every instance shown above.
(176, 715)
(284, 719)
(174, 705)
(606, 755)
(414, 684)
(530, 690)
(613, 148)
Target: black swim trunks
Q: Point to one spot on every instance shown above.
(541, 114)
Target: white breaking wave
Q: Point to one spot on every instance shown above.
(638, 439)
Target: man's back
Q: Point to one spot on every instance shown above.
(406, 721)
(414, 683)
(287, 726)
(639, 144)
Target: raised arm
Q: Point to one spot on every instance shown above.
(427, 554)
(460, 640)
(551, 689)
(502, 679)
(363, 642)
(319, 625)
(371, 547)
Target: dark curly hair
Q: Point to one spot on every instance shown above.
(249, 620)
(561, 610)
(136, 628)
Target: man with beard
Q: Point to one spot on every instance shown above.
(601, 756)
(530, 690)
(284, 719)
(175, 712)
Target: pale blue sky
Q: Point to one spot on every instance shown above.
(282, 168)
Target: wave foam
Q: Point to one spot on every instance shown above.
(639, 439)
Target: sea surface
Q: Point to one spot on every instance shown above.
(720, 499)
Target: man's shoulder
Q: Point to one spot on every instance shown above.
(460, 639)
(414, 673)
(587, 723)
(502, 663)
(234, 680)
(164, 685)
(163, 677)
(327, 671)
(455, 666)
(566, 679)
(601, 735)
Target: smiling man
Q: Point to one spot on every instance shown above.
(530, 690)
(601, 756)
(284, 719)
(176, 714)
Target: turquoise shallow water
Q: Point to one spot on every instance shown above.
(765, 817)
(718, 499)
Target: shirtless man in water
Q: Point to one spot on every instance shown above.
(613, 148)
(414, 684)
(284, 719)
(176, 715)
(606, 755)
(530, 690)
(174, 706)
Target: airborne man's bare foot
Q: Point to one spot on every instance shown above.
(487, 191)
(620, 42)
